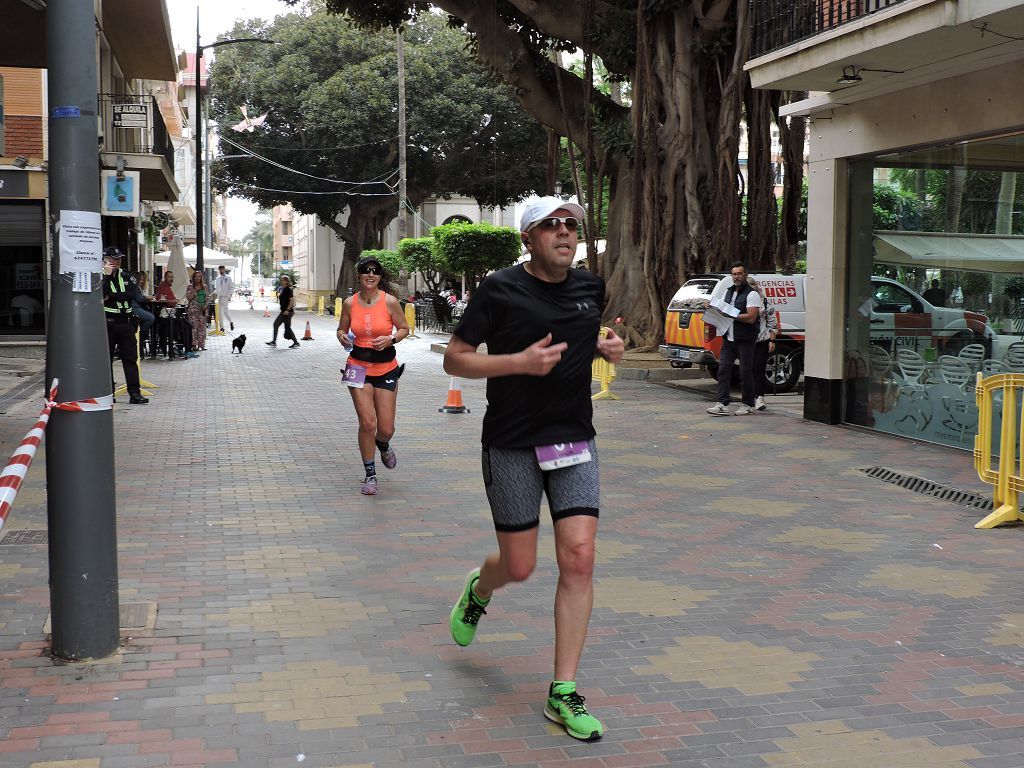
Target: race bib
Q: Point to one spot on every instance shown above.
(354, 375)
(562, 455)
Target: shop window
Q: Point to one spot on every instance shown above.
(936, 250)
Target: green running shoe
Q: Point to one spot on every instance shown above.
(467, 612)
(567, 708)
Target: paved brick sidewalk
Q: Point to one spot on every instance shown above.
(794, 612)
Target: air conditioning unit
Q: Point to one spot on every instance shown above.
(287, 241)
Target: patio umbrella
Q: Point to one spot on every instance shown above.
(177, 265)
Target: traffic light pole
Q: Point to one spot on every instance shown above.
(81, 504)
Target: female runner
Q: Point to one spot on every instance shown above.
(377, 323)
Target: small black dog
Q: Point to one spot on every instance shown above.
(237, 343)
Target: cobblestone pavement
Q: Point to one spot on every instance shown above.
(760, 601)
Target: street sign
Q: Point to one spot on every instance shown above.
(131, 115)
(13, 184)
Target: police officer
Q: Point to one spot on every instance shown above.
(119, 290)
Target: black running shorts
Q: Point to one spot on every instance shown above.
(515, 484)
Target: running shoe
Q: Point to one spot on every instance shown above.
(271, 343)
(467, 612)
(294, 345)
(390, 458)
(744, 410)
(369, 487)
(718, 410)
(567, 708)
(759, 404)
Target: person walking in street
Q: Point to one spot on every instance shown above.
(371, 323)
(195, 299)
(119, 292)
(225, 287)
(541, 322)
(286, 296)
(768, 327)
(738, 344)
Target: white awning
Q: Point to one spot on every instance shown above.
(941, 250)
(211, 258)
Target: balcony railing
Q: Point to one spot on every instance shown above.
(778, 23)
(142, 128)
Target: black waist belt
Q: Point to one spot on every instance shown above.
(368, 355)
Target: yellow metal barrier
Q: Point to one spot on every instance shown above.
(337, 307)
(1009, 478)
(603, 372)
(410, 318)
(320, 307)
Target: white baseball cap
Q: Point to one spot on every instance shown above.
(544, 207)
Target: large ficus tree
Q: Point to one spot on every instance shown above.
(670, 156)
(329, 145)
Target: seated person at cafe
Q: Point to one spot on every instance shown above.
(170, 317)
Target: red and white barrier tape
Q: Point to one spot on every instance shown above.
(21, 459)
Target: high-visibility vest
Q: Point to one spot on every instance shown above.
(110, 305)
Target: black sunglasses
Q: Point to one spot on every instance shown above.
(553, 222)
(367, 270)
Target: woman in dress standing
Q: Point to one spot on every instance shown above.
(196, 297)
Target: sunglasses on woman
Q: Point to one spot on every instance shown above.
(553, 222)
(370, 271)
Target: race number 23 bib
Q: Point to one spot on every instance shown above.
(354, 375)
(561, 455)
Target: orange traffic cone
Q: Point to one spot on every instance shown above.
(309, 333)
(454, 404)
(266, 311)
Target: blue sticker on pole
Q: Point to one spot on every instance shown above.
(62, 112)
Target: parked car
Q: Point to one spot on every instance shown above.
(903, 319)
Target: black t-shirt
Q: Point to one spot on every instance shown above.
(511, 310)
(285, 296)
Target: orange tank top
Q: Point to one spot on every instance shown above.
(368, 323)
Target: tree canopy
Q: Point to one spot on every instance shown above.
(671, 156)
(330, 143)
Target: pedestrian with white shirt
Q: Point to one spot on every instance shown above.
(225, 287)
(738, 344)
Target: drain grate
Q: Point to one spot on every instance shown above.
(930, 488)
(24, 537)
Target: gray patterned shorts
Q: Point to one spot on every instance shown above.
(515, 484)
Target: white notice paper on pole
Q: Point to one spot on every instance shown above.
(81, 282)
(81, 242)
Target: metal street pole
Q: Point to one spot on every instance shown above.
(402, 221)
(81, 504)
(197, 129)
(200, 189)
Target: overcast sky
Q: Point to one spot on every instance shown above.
(215, 18)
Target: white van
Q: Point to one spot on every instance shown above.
(903, 319)
(689, 342)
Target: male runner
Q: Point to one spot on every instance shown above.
(541, 321)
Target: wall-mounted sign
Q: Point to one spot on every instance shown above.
(13, 184)
(119, 197)
(131, 115)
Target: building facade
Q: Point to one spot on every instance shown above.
(915, 232)
(135, 100)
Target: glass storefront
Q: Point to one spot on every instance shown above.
(936, 285)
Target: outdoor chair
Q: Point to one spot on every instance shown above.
(990, 367)
(881, 362)
(1013, 358)
(973, 355)
(953, 370)
(912, 368)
